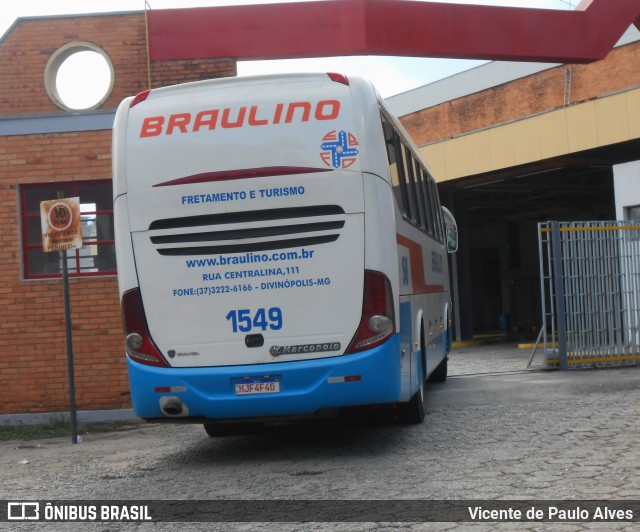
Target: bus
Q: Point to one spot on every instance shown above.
(281, 252)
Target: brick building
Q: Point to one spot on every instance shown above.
(548, 89)
(43, 150)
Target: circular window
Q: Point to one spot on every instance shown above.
(78, 77)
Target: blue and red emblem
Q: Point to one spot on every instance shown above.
(339, 149)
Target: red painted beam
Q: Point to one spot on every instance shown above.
(391, 27)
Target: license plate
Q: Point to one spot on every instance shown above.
(257, 386)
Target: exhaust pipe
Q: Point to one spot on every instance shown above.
(173, 407)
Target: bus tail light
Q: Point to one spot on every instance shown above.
(377, 322)
(338, 78)
(139, 98)
(140, 347)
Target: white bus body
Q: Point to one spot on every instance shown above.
(266, 264)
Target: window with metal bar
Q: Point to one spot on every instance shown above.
(97, 254)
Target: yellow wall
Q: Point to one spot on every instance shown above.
(583, 126)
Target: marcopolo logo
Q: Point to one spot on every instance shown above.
(278, 350)
(173, 353)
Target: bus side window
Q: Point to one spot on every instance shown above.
(437, 212)
(402, 177)
(424, 196)
(392, 156)
(418, 187)
(397, 167)
(417, 208)
(413, 186)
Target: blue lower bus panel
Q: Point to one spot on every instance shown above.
(267, 390)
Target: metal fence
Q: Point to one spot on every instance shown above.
(590, 285)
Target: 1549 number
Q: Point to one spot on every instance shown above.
(245, 320)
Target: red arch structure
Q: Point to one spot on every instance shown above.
(391, 27)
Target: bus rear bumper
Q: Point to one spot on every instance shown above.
(305, 387)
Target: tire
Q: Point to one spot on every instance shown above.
(217, 430)
(440, 373)
(414, 411)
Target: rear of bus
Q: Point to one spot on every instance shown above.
(248, 285)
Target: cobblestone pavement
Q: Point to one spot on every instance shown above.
(494, 431)
(496, 357)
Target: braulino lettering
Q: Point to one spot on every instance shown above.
(257, 116)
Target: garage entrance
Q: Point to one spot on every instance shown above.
(497, 263)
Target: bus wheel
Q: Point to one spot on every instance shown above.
(216, 430)
(440, 373)
(414, 411)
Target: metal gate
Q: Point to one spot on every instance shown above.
(590, 285)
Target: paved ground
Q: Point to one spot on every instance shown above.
(494, 431)
(494, 357)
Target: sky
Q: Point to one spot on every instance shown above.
(391, 75)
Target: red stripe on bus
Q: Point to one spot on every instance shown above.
(417, 267)
(247, 173)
